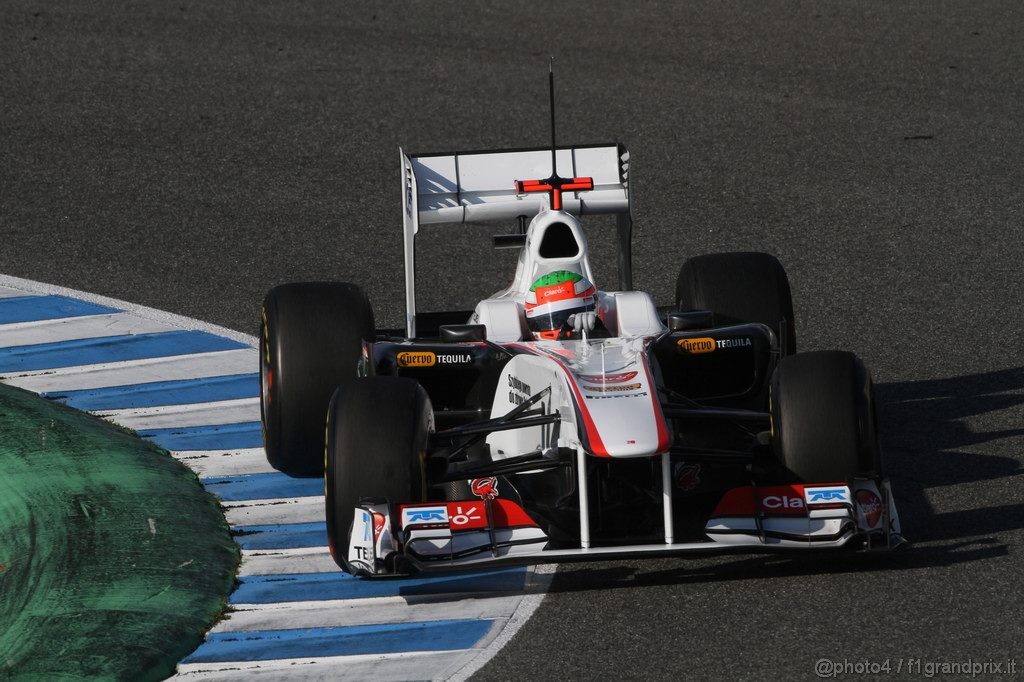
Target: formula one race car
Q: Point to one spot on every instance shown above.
(558, 422)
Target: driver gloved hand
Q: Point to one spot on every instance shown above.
(583, 321)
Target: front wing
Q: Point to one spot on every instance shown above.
(467, 534)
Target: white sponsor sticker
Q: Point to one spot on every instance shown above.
(424, 516)
(832, 494)
(360, 548)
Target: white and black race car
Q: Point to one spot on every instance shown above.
(558, 422)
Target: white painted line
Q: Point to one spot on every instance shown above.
(26, 287)
(75, 328)
(225, 463)
(129, 372)
(284, 561)
(268, 512)
(369, 602)
(418, 665)
(538, 580)
(345, 612)
(184, 416)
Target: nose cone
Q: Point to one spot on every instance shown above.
(618, 401)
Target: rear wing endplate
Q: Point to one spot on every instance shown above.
(462, 187)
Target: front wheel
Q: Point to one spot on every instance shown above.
(377, 431)
(823, 420)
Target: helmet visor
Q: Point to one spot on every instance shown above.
(550, 321)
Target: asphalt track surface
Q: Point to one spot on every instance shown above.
(189, 155)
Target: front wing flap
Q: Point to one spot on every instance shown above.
(476, 533)
(807, 514)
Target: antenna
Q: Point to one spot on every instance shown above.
(555, 185)
(551, 91)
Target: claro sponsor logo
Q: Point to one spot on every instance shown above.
(695, 346)
(466, 516)
(782, 502)
(556, 291)
(417, 359)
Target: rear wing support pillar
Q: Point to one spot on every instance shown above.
(411, 224)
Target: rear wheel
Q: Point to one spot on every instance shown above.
(823, 418)
(311, 341)
(377, 430)
(740, 287)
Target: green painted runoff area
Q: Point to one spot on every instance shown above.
(113, 559)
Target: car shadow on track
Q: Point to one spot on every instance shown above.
(925, 426)
(952, 432)
(584, 577)
(935, 433)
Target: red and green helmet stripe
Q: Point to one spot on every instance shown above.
(559, 277)
(558, 290)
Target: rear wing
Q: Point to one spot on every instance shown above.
(460, 187)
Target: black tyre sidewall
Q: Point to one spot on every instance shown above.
(823, 418)
(377, 432)
(311, 338)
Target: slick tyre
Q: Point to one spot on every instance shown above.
(377, 430)
(740, 287)
(824, 428)
(311, 336)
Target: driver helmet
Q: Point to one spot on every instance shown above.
(553, 298)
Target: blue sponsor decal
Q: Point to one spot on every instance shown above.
(415, 515)
(367, 522)
(827, 495)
